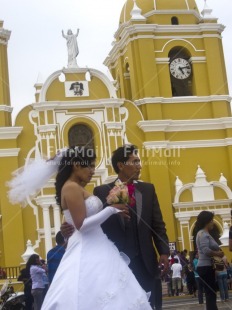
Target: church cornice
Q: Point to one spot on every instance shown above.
(217, 206)
(81, 104)
(6, 108)
(185, 125)
(189, 99)
(151, 30)
(191, 144)
(14, 152)
(10, 133)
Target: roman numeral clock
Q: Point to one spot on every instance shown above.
(180, 72)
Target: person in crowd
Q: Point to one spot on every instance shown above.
(146, 228)
(176, 277)
(45, 276)
(199, 283)
(177, 256)
(37, 277)
(222, 280)
(25, 277)
(207, 248)
(172, 259)
(230, 238)
(190, 280)
(184, 263)
(229, 276)
(167, 277)
(186, 255)
(55, 255)
(2, 274)
(183, 260)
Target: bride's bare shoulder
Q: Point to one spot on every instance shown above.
(71, 186)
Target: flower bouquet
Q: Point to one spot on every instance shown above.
(118, 194)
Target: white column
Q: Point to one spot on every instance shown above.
(155, 4)
(186, 1)
(56, 216)
(47, 228)
(184, 224)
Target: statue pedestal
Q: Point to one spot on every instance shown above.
(29, 251)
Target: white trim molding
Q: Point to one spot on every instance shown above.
(211, 205)
(45, 200)
(194, 60)
(186, 99)
(187, 144)
(185, 125)
(164, 60)
(47, 128)
(9, 152)
(6, 108)
(10, 133)
(112, 125)
(80, 104)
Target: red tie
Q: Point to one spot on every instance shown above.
(131, 191)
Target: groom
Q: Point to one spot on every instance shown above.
(136, 237)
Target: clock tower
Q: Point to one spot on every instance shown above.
(167, 58)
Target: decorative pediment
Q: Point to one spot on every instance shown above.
(201, 189)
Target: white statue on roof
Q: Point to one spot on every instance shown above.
(72, 47)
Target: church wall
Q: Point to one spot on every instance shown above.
(195, 135)
(11, 217)
(215, 66)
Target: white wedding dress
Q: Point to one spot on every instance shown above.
(93, 275)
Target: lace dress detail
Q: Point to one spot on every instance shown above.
(93, 274)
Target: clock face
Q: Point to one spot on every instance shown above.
(180, 68)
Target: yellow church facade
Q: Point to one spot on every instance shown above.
(169, 97)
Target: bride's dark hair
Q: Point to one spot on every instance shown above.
(78, 155)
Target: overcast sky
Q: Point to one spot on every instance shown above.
(36, 46)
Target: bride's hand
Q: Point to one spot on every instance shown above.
(67, 230)
(124, 208)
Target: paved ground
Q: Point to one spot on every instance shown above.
(187, 303)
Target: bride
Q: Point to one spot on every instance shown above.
(92, 273)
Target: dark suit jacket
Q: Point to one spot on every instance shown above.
(151, 227)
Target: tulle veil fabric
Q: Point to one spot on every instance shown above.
(28, 180)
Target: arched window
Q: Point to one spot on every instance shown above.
(81, 135)
(175, 20)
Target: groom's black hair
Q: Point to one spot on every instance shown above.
(122, 154)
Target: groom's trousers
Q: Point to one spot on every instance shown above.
(147, 281)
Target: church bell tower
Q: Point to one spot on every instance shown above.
(167, 58)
